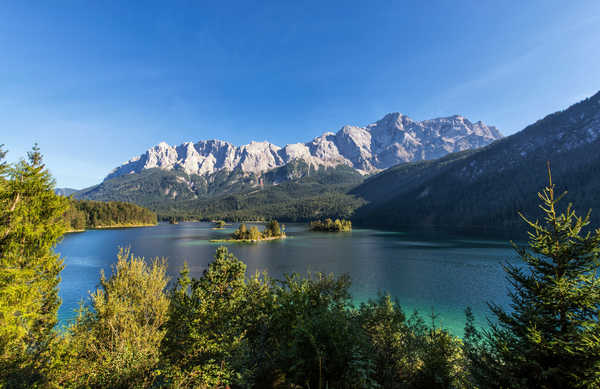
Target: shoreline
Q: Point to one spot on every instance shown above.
(332, 231)
(112, 227)
(247, 240)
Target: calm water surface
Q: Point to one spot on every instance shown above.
(424, 271)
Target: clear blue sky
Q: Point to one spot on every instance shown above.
(98, 82)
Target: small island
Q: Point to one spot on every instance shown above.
(272, 231)
(331, 226)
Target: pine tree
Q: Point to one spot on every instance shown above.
(550, 338)
(254, 233)
(31, 224)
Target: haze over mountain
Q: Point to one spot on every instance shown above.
(394, 139)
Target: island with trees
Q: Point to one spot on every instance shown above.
(272, 231)
(331, 226)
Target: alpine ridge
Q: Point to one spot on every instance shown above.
(394, 139)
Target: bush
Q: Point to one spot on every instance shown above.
(116, 343)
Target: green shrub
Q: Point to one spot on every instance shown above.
(116, 343)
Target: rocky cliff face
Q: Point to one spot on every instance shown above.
(394, 139)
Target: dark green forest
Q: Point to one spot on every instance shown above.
(83, 214)
(286, 202)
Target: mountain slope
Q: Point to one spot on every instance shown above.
(320, 194)
(485, 188)
(296, 191)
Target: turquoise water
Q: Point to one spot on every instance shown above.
(425, 271)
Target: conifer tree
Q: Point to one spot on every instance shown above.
(31, 224)
(550, 338)
(254, 233)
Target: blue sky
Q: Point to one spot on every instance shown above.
(96, 83)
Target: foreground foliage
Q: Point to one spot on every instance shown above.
(31, 224)
(229, 329)
(116, 342)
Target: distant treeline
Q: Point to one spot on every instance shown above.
(83, 214)
(263, 206)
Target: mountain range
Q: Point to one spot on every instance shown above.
(215, 179)
(394, 139)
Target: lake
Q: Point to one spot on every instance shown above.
(425, 270)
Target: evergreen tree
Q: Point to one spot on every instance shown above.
(551, 336)
(272, 229)
(254, 233)
(31, 224)
(241, 232)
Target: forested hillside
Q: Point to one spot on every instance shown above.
(83, 214)
(485, 189)
(294, 192)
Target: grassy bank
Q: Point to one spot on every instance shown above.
(126, 225)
